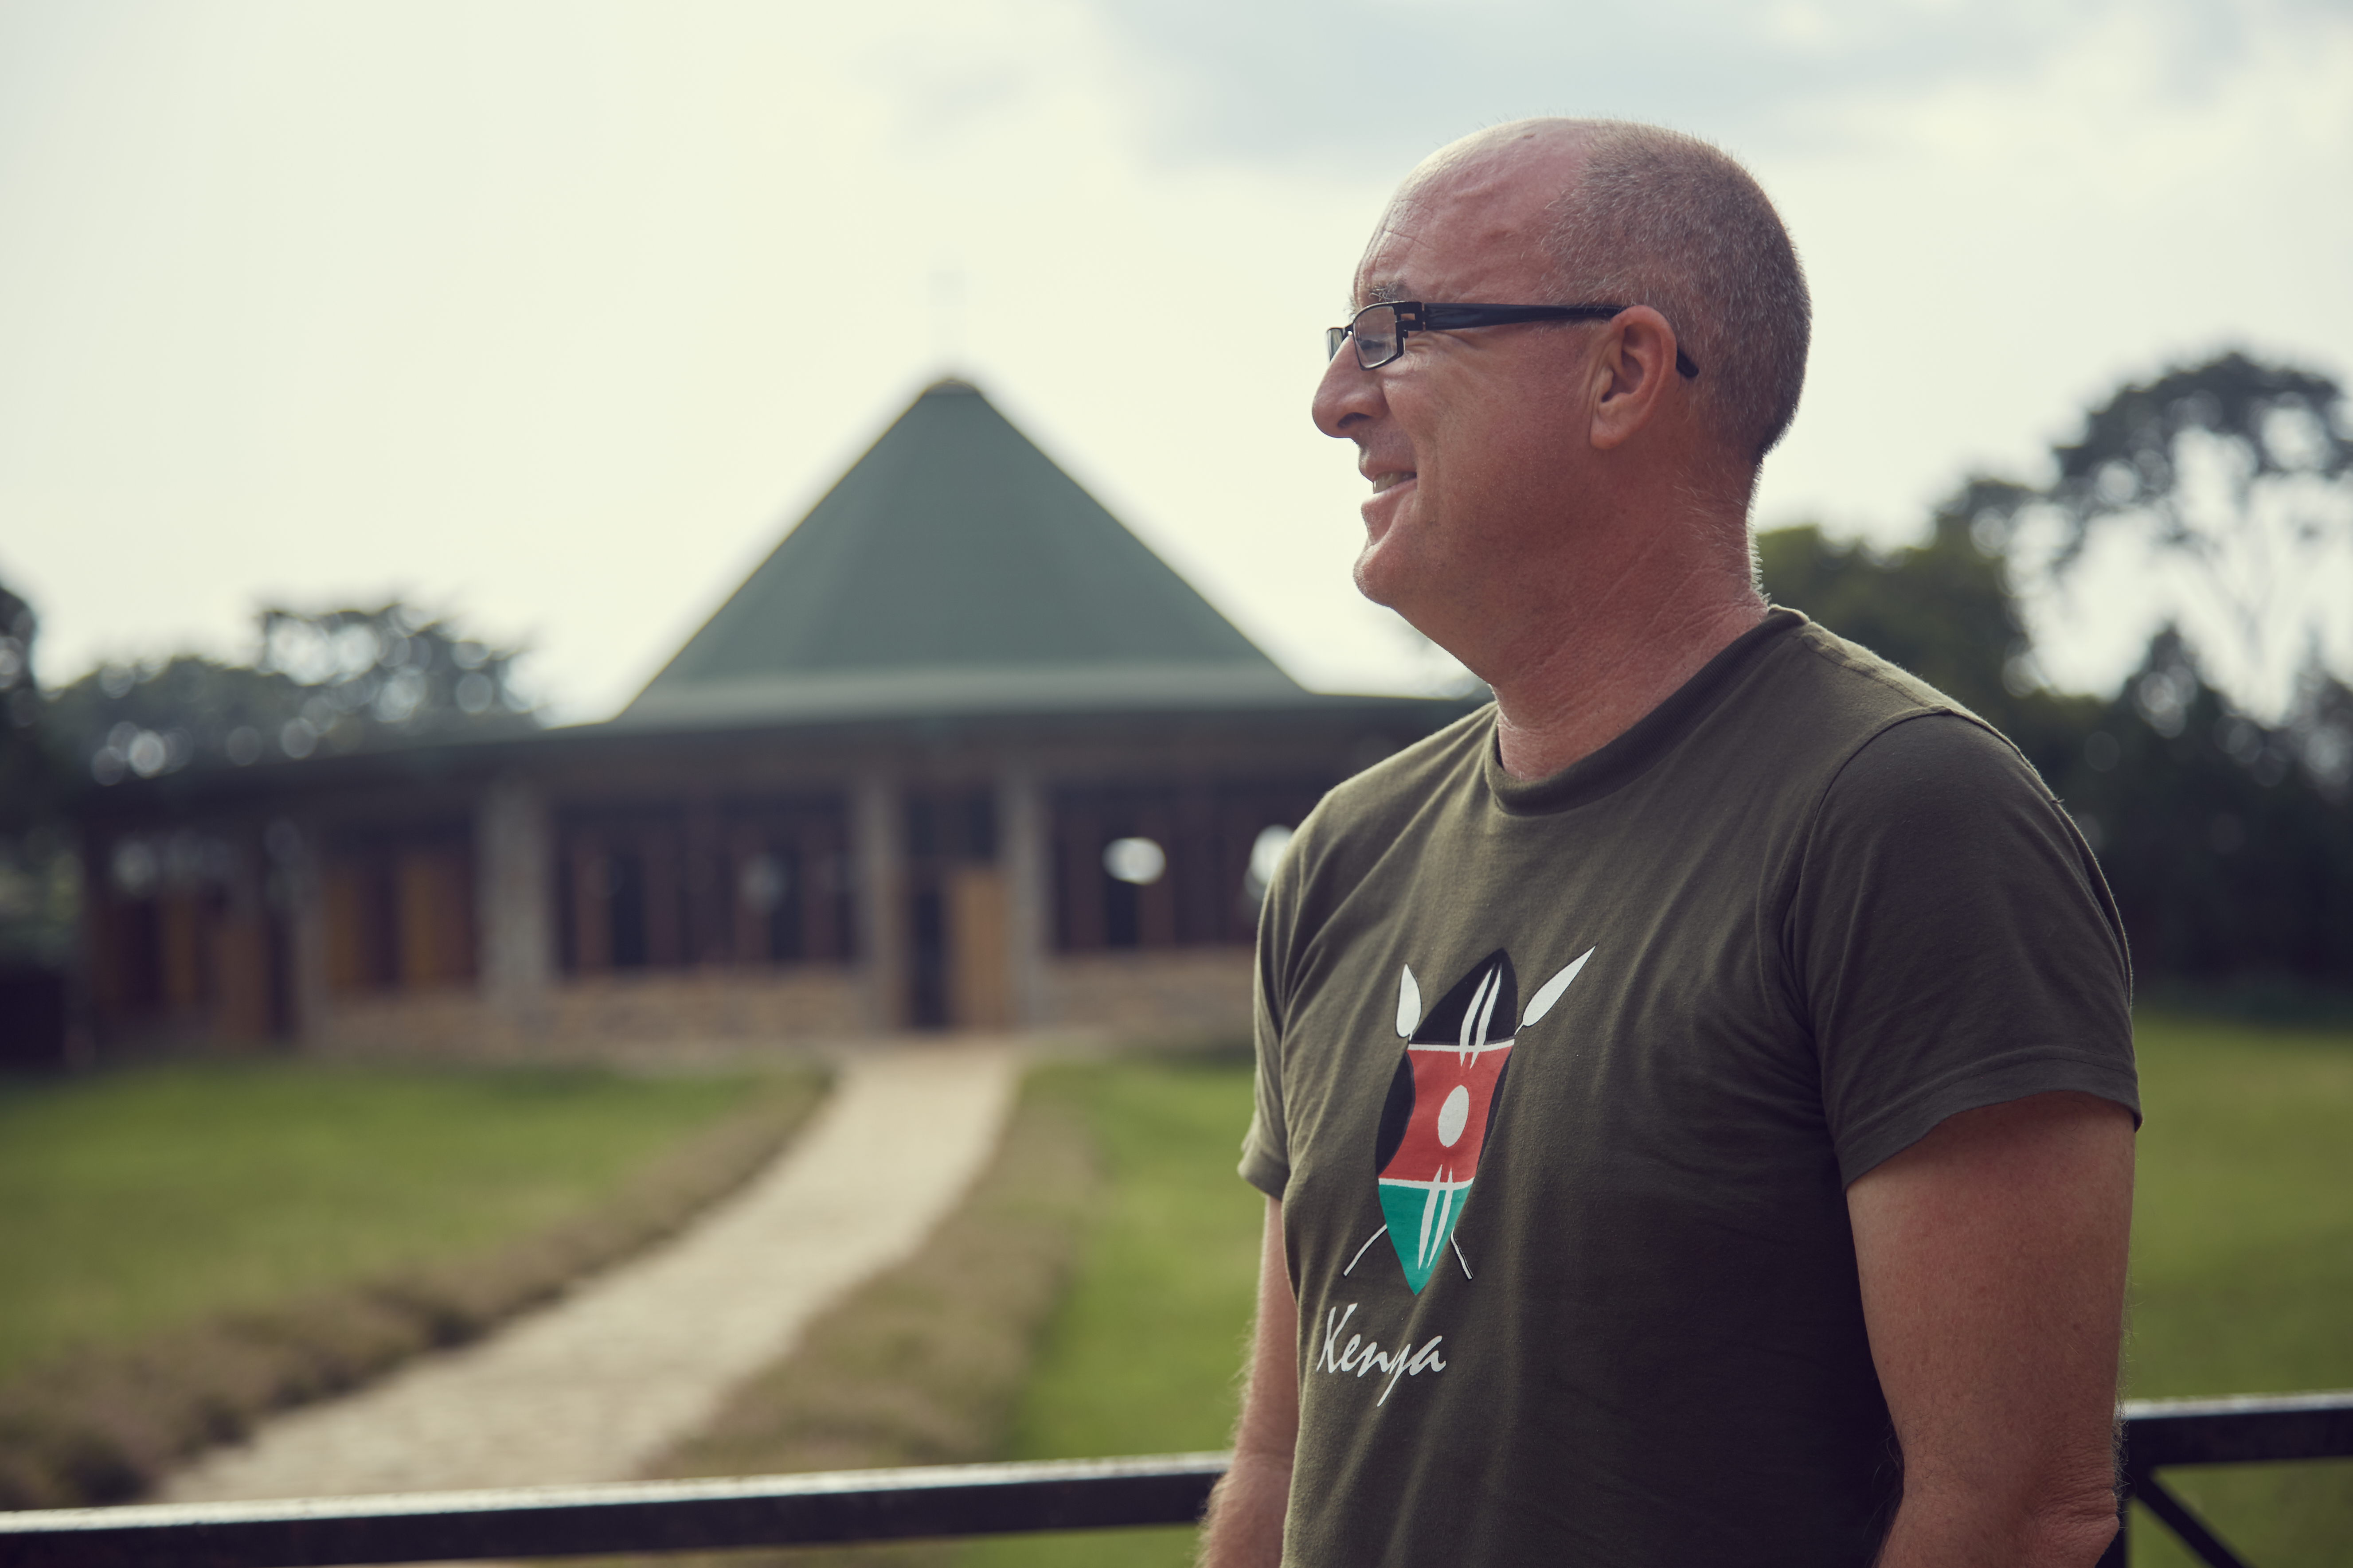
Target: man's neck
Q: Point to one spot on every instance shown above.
(1582, 691)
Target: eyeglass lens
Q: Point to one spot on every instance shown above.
(1377, 336)
(1375, 331)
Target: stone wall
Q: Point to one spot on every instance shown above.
(1154, 991)
(632, 1015)
(646, 1015)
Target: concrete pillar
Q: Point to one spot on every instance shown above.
(514, 896)
(295, 845)
(1025, 854)
(877, 858)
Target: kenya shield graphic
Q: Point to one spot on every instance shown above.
(1441, 1103)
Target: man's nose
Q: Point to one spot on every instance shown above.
(1348, 396)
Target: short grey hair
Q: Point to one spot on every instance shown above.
(1667, 220)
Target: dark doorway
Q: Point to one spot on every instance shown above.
(626, 874)
(928, 958)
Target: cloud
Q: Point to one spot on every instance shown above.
(1374, 88)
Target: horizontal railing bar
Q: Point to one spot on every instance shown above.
(623, 1517)
(871, 1505)
(2241, 1429)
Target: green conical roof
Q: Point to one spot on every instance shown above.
(956, 569)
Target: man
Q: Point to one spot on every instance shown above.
(1695, 1096)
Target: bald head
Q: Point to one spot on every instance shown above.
(1640, 215)
(1492, 192)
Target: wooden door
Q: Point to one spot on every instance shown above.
(980, 981)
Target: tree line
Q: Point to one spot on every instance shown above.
(321, 682)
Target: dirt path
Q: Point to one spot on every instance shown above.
(594, 1386)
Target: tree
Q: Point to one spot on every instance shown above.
(2227, 843)
(38, 885)
(2229, 485)
(26, 783)
(332, 680)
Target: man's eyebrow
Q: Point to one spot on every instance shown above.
(1386, 291)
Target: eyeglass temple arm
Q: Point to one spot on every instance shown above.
(1416, 317)
(1433, 318)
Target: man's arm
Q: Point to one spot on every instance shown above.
(1244, 1527)
(1992, 1259)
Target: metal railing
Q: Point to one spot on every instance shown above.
(2159, 1434)
(942, 1502)
(629, 1517)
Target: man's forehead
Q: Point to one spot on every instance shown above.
(1479, 208)
(1432, 249)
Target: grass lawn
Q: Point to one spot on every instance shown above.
(2242, 1263)
(1143, 1356)
(143, 1199)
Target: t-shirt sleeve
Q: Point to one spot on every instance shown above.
(1954, 942)
(1266, 1150)
(1266, 1146)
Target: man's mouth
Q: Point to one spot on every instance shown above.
(1385, 481)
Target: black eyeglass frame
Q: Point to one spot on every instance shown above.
(1413, 316)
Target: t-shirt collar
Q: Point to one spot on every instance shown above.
(1649, 739)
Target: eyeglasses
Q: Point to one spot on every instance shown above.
(1381, 330)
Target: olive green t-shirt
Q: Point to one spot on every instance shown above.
(1561, 1084)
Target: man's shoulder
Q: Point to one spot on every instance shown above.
(1816, 659)
(1384, 810)
(1370, 812)
(1865, 752)
(1789, 713)
(1817, 694)
(1372, 808)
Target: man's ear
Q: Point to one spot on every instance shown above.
(1635, 372)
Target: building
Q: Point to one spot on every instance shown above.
(961, 754)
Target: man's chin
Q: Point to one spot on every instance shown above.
(1378, 573)
(1382, 573)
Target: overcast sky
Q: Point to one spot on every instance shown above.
(556, 313)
